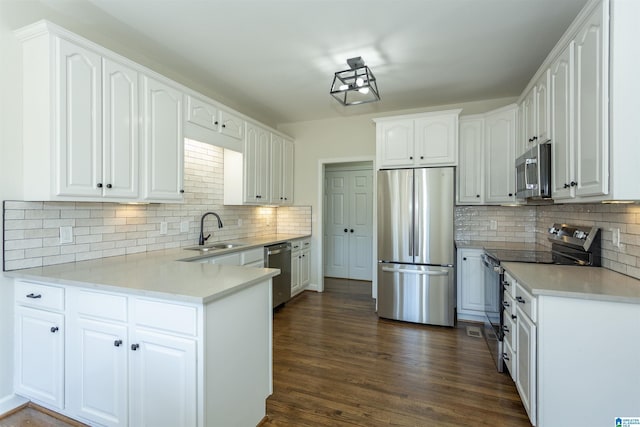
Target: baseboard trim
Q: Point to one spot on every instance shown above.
(11, 404)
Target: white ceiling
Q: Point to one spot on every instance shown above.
(275, 59)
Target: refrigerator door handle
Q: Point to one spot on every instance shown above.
(420, 272)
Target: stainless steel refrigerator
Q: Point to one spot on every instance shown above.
(416, 272)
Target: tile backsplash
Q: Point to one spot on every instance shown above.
(31, 236)
(530, 224)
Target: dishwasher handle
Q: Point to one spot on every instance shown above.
(278, 251)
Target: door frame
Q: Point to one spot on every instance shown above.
(320, 252)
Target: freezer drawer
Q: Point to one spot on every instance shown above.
(416, 293)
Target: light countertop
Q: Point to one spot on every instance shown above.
(163, 274)
(595, 283)
(485, 244)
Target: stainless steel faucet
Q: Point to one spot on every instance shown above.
(203, 239)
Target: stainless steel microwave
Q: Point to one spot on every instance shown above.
(533, 173)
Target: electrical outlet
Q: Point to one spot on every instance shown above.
(66, 234)
(615, 237)
(163, 227)
(184, 226)
(493, 225)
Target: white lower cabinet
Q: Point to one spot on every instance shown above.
(471, 300)
(300, 265)
(116, 359)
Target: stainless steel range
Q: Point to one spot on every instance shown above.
(570, 245)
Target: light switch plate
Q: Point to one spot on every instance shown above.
(615, 237)
(184, 226)
(163, 227)
(66, 234)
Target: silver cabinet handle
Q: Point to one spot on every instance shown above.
(421, 272)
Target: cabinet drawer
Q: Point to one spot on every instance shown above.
(101, 305)
(39, 295)
(526, 302)
(509, 329)
(509, 284)
(509, 304)
(508, 355)
(181, 319)
(252, 256)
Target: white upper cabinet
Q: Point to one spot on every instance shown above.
(281, 170)
(535, 114)
(163, 142)
(562, 173)
(471, 162)
(82, 115)
(500, 136)
(429, 139)
(593, 88)
(209, 122)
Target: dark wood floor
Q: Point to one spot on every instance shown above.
(337, 364)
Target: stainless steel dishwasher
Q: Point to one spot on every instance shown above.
(279, 256)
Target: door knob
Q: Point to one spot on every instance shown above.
(345, 230)
(351, 230)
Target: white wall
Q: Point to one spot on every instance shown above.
(348, 138)
(10, 181)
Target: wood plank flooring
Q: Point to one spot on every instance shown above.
(337, 364)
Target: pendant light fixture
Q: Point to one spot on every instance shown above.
(354, 86)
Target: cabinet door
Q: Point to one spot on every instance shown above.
(471, 282)
(163, 141)
(79, 126)
(526, 379)
(305, 268)
(529, 118)
(395, 141)
(120, 144)
(277, 160)
(202, 113)
(591, 108)
(436, 140)
(500, 162)
(231, 125)
(97, 371)
(470, 168)
(256, 167)
(542, 108)
(562, 125)
(287, 172)
(39, 370)
(296, 258)
(163, 380)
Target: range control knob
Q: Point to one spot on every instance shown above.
(579, 234)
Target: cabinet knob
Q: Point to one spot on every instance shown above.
(215, 123)
(99, 185)
(117, 343)
(181, 191)
(510, 194)
(34, 296)
(505, 357)
(134, 347)
(286, 198)
(520, 300)
(573, 183)
(566, 185)
(109, 185)
(505, 329)
(345, 230)
(351, 230)
(530, 139)
(421, 157)
(224, 126)
(505, 304)
(478, 196)
(464, 259)
(54, 329)
(410, 157)
(514, 317)
(535, 138)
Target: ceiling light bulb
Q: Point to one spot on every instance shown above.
(343, 87)
(364, 90)
(359, 82)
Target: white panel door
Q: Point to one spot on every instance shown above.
(562, 125)
(591, 108)
(360, 224)
(337, 225)
(163, 380)
(120, 143)
(39, 370)
(97, 371)
(163, 141)
(79, 126)
(349, 224)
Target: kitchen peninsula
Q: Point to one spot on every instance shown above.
(147, 338)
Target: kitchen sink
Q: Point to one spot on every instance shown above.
(213, 247)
